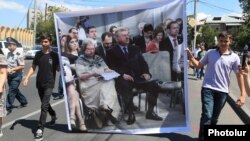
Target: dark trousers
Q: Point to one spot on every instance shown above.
(60, 86)
(212, 103)
(201, 73)
(14, 92)
(45, 94)
(125, 89)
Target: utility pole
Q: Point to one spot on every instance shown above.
(195, 25)
(46, 9)
(34, 37)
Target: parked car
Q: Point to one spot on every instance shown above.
(25, 50)
(4, 47)
(30, 54)
(55, 49)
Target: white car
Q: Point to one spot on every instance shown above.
(4, 47)
(30, 54)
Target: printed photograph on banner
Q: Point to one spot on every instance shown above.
(123, 68)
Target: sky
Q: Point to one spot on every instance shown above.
(13, 13)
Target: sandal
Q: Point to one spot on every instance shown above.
(83, 128)
(72, 123)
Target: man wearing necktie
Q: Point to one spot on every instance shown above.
(175, 42)
(127, 60)
(171, 45)
(125, 51)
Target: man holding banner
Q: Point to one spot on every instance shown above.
(215, 88)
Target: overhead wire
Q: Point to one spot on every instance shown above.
(215, 6)
(25, 14)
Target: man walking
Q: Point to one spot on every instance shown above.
(47, 62)
(220, 62)
(15, 74)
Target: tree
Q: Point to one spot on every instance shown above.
(245, 5)
(207, 36)
(242, 38)
(190, 33)
(48, 26)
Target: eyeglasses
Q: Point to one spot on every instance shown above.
(75, 32)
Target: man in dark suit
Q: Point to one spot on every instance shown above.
(92, 33)
(142, 41)
(107, 44)
(127, 60)
(171, 45)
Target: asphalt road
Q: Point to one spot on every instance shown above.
(21, 124)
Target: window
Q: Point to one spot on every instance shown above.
(5, 44)
(216, 18)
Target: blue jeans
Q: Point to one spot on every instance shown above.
(212, 103)
(14, 92)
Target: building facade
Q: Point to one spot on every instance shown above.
(24, 36)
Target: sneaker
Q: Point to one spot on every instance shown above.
(53, 121)
(61, 96)
(9, 112)
(23, 105)
(14, 106)
(39, 135)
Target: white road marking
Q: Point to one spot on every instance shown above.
(29, 115)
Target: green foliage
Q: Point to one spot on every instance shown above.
(190, 35)
(245, 5)
(47, 26)
(242, 38)
(207, 36)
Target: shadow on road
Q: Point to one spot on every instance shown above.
(32, 125)
(190, 78)
(59, 127)
(175, 137)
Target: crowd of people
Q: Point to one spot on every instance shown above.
(116, 51)
(85, 59)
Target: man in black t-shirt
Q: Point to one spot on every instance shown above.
(47, 62)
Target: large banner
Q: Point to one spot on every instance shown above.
(124, 68)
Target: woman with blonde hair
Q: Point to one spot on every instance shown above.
(3, 78)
